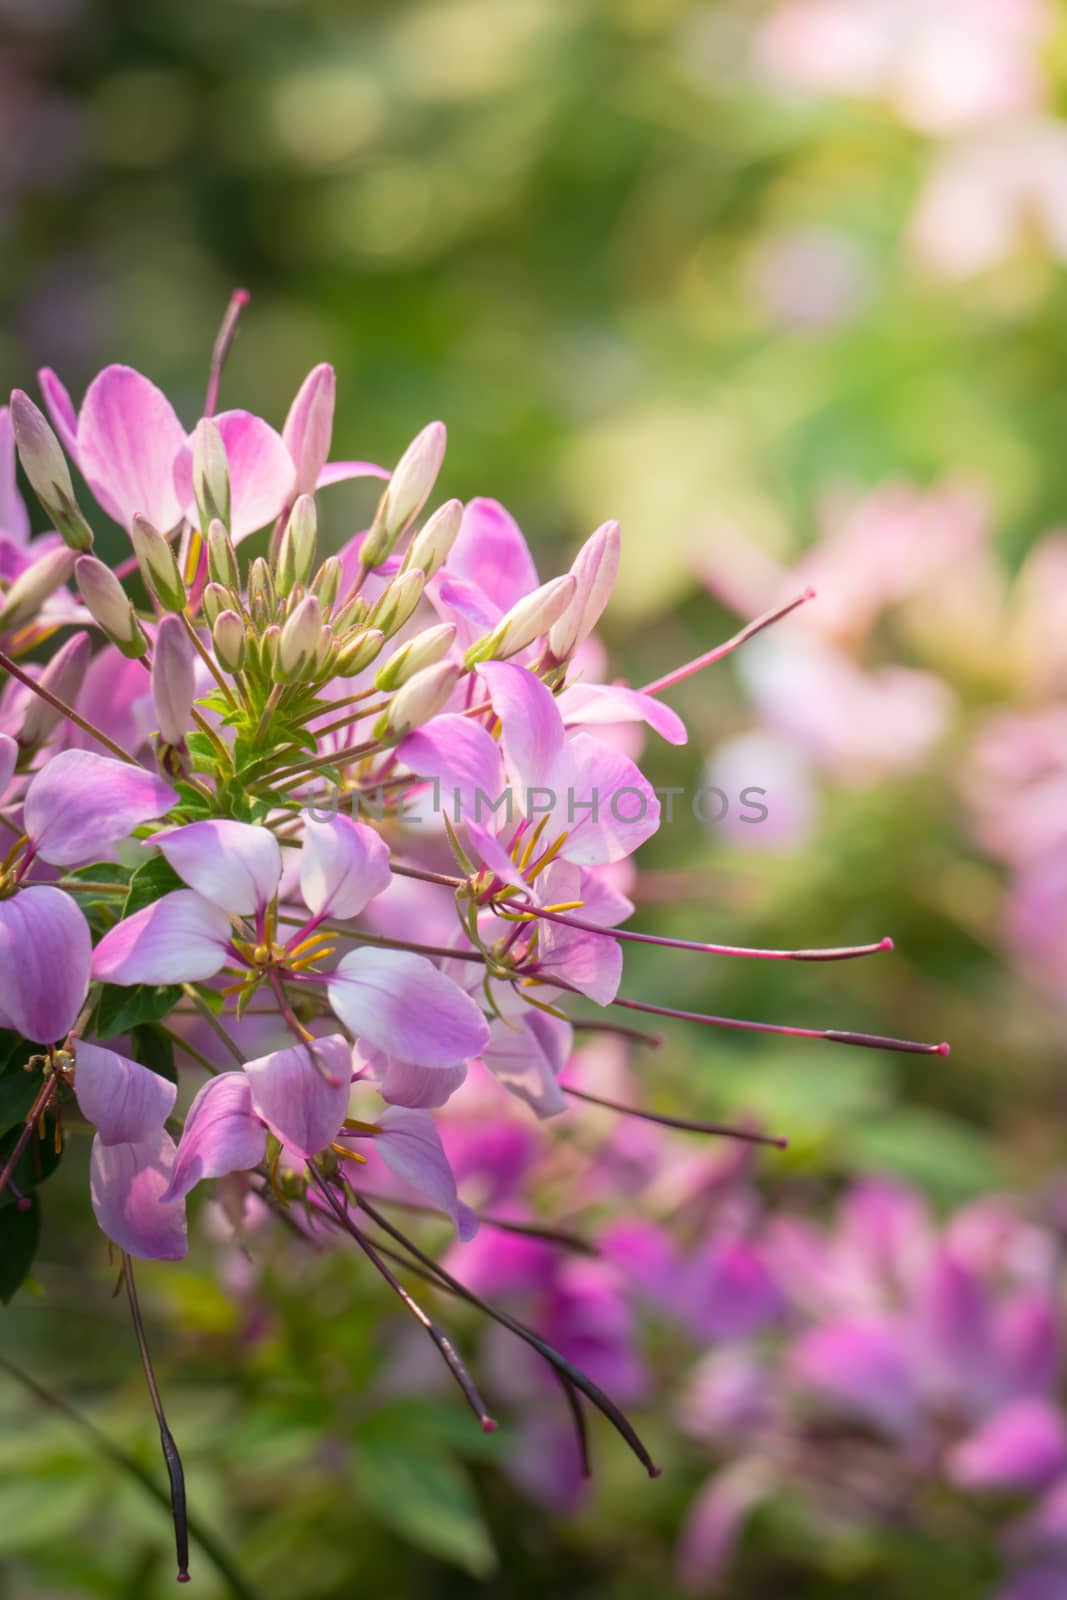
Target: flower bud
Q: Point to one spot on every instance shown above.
(110, 607)
(300, 640)
(62, 677)
(33, 586)
(262, 595)
(421, 698)
(173, 679)
(431, 545)
(269, 641)
(158, 564)
(211, 474)
(46, 467)
(358, 651)
(215, 600)
(406, 493)
(309, 425)
(353, 614)
(222, 564)
(398, 601)
(296, 553)
(228, 637)
(424, 650)
(527, 620)
(327, 582)
(594, 570)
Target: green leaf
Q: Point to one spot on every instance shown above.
(425, 1496)
(17, 1090)
(20, 1229)
(121, 1010)
(150, 883)
(154, 1049)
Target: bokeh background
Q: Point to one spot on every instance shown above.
(778, 286)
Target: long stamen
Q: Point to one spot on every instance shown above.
(221, 348)
(560, 1363)
(682, 1123)
(831, 953)
(173, 1460)
(757, 625)
(451, 1355)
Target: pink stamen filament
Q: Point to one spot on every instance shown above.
(749, 631)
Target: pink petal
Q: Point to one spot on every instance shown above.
(461, 602)
(405, 1083)
(529, 1060)
(861, 1366)
(601, 704)
(532, 731)
(127, 1183)
(181, 938)
(729, 1292)
(309, 426)
(125, 1102)
(342, 471)
(261, 472)
(232, 864)
(343, 866)
(491, 553)
(410, 1145)
(222, 1134)
(715, 1520)
(589, 961)
(173, 679)
(14, 518)
(400, 1004)
(466, 762)
(294, 1096)
(45, 955)
(1021, 1447)
(594, 569)
(61, 410)
(9, 754)
(128, 441)
(81, 804)
(609, 805)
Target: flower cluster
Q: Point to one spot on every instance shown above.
(183, 902)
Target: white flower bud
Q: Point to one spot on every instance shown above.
(46, 467)
(398, 601)
(110, 607)
(406, 493)
(358, 651)
(424, 650)
(215, 600)
(431, 545)
(158, 564)
(527, 620)
(222, 564)
(296, 553)
(173, 679)
(300, 640)
(231, 644)
(34, 585)
(421, 698)
(594, 570)
(327, 581)
(211, 474)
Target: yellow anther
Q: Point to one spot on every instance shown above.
(348, 1155)
(532, 842)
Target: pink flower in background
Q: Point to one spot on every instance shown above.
(942, 68)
